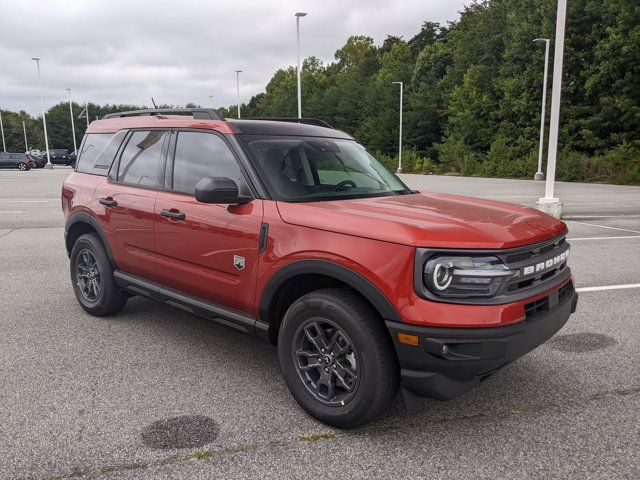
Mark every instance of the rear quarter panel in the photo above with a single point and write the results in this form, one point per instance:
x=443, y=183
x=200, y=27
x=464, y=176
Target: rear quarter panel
x=77, y=193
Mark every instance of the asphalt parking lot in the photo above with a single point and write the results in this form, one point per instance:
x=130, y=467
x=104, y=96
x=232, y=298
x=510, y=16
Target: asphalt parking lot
x=100, y=398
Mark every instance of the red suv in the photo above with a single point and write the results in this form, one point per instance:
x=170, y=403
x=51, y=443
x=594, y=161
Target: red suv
x=292, y=231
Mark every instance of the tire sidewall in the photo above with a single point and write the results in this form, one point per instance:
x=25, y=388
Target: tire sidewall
x=367, y=361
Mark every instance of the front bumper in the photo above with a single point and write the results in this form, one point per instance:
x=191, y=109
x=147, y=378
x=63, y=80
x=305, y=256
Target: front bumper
x=447, y=362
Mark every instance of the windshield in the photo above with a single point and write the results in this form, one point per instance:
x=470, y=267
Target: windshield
x=303, y=169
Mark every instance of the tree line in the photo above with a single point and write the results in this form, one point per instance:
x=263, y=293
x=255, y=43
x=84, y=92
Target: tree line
x=473, y=92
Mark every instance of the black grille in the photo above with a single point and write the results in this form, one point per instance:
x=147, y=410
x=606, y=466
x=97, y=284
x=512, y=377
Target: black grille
x=534, y=255
x=543, y=304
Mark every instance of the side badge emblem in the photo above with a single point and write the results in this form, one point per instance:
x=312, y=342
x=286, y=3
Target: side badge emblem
x=238, y=262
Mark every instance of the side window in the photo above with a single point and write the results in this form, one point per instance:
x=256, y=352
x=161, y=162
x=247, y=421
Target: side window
x=141, y=161
x=200, y=155
x=16, y=156
x=98, y=151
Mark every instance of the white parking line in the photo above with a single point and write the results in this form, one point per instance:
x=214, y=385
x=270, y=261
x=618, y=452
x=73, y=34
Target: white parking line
x=10, y=211
x=23, y=201
x=603, y=226
x=587, y=217
x=602, y=238
x=608, y=287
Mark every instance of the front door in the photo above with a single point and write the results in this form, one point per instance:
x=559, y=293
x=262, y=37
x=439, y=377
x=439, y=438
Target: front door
x=206, y=250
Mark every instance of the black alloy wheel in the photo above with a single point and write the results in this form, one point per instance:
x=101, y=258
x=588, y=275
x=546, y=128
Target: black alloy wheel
x=88, y=275
x=326, y=361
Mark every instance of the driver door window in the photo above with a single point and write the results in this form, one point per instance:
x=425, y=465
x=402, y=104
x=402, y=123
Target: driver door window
x=200, y=155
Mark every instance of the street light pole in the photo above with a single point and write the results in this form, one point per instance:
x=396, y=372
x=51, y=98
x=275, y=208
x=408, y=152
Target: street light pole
x=73, y=127
x=298, y=15
x=549, y=204
x=26, y=144
x=4, y=146
x=400, y=137
x=238, y=89
x=539, y=175
x=44, y=120
x=211, y=98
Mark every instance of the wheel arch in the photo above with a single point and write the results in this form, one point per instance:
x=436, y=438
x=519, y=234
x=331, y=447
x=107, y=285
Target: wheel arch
x=303, y=276
x=80, y=223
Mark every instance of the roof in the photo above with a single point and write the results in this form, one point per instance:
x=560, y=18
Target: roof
x=274, y=127
x=228, y=126
x=112, y=125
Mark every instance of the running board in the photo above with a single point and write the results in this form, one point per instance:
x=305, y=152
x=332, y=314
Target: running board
x=197, y=306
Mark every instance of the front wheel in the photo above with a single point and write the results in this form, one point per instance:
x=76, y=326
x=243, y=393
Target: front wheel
x=336, y=358
x=23, y=166
x=92, y=277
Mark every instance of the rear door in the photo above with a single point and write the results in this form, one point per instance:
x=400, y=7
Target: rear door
x=207, y=250
x=126, y=200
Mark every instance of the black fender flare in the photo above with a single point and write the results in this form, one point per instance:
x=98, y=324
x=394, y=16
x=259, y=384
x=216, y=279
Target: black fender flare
x=84, y=217
x=330, y=269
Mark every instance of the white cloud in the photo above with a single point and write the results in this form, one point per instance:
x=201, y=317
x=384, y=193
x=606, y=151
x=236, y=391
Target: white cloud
x=121, y=51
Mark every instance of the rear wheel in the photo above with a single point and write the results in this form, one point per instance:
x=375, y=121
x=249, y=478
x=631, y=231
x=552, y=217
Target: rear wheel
x=92, y=277
x=23, y=166
x=337, y=360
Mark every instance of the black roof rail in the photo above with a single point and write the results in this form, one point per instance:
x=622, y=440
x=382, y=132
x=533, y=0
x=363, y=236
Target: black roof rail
x=307, y=121
x=196, y=113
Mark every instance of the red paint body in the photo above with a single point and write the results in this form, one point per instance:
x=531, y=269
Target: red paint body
x=375, y=237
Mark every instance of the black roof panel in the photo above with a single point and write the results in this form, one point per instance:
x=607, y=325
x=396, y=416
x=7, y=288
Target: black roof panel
x=271, y=127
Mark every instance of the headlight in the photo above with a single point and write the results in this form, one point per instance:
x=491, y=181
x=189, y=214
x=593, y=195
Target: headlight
x=464, y=276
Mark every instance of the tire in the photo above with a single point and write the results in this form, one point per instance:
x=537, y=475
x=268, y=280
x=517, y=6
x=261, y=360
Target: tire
x=23, y=166
x=89, y=263
x=364, y=357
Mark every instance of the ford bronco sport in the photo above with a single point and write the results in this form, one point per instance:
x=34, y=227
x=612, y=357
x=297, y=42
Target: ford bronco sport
x=292, y=231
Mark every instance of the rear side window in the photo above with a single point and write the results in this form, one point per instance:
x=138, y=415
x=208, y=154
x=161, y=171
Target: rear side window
x=98, y=151
x=141, y=161
x=200, y=155
x=16, y=156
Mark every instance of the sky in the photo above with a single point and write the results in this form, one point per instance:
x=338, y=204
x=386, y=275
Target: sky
x=116, y=51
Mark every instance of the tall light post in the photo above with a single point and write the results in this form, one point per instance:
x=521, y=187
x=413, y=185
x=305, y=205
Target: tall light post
x=539, y=175
x=238, y=89
x=211, y=98
x=549, y=204
x=44, y=120
x=24, y=130
x=400, y=137
x=4, y=147
x=298, y=15
x=73, y=127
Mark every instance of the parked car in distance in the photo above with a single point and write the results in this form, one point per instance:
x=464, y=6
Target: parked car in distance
x=38, y=160
x=20, y=161
x=291, y=231
x=73, y=156
x=58, y=156
x=34, y=152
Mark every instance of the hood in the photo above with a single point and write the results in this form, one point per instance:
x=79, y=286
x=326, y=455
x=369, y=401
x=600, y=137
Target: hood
x=428, y=220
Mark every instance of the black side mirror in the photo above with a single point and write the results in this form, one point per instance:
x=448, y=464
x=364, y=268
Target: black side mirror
x=219, y=190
